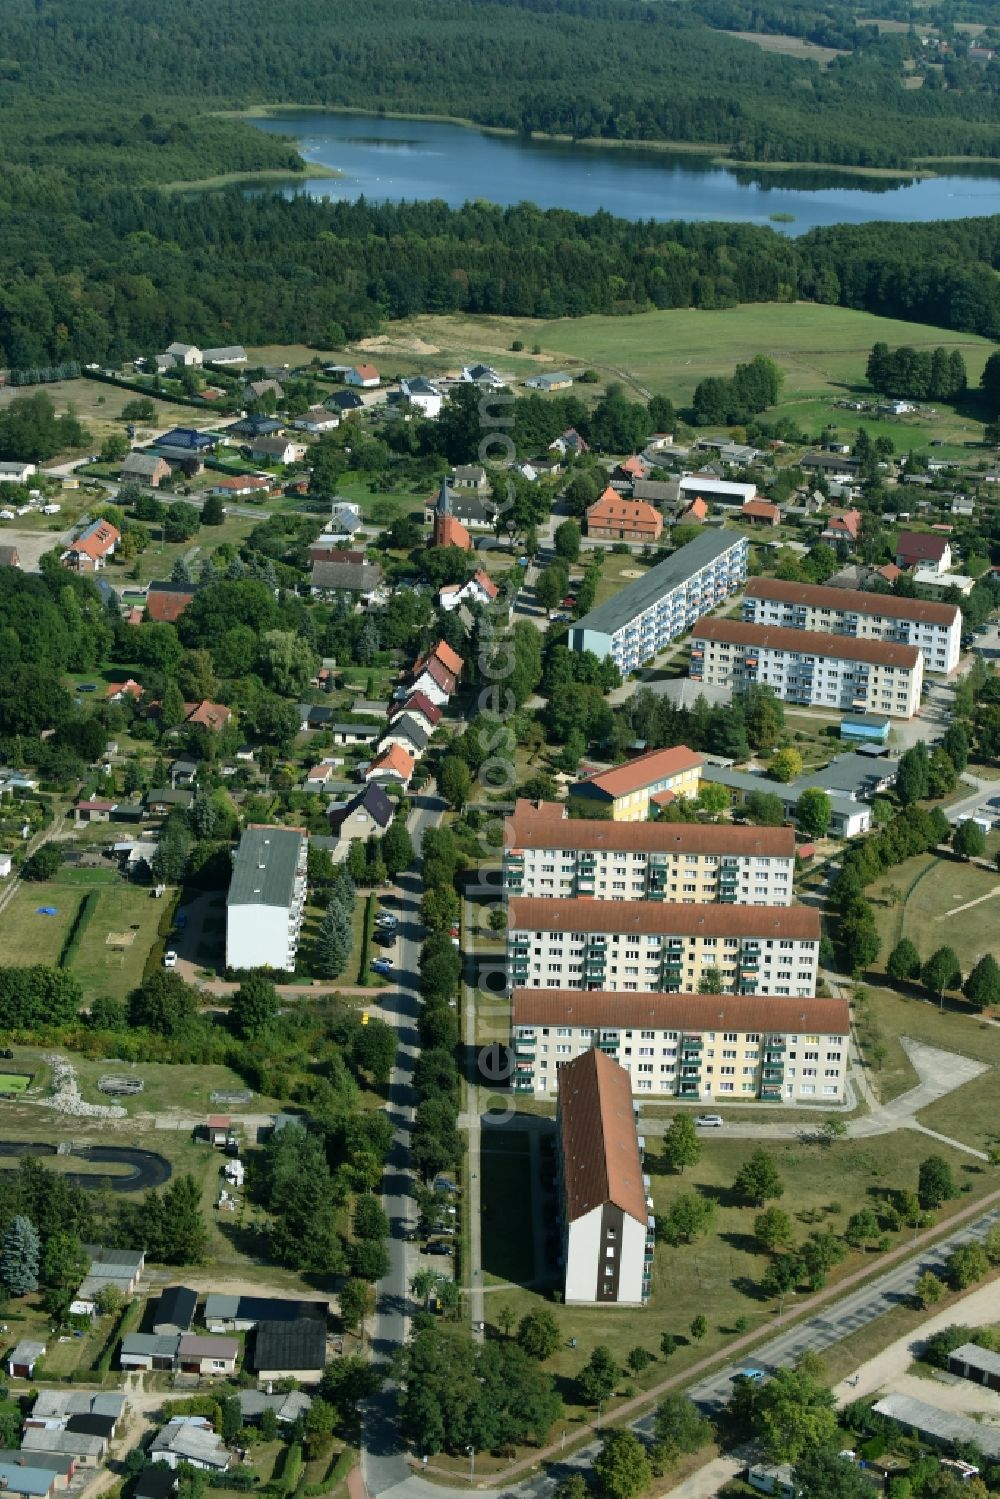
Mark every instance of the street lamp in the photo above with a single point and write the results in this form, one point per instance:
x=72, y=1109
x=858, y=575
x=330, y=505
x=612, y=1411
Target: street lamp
x=472, y=1461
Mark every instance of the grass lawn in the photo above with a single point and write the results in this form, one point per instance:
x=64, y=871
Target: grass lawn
x=158, y=559
x=505, y=1163
x=822, y=352
x=121, y=911
x=99, y=407
x=26, y=937
x=929, y=900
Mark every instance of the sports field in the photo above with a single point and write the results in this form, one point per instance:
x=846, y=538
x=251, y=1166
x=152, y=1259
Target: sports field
x=113, y=945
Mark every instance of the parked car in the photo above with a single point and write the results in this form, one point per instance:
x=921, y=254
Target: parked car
x=709, y=1121
x=382, y=965
x=170, y=958
x=753, y=1375
x=440, y=1248
x=386, y=919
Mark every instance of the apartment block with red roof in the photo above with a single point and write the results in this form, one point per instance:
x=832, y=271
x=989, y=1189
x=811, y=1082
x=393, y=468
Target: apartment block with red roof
x=706, y=1048
x=550, y=854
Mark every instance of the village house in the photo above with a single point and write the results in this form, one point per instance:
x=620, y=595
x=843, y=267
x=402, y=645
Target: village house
x=480, y=589
x=214, y=716
x=434, y=680
x=422, y=394
x=484, y=376
x=213, y=1355
x=364, y=376
x=694, y=513
x=160, y=801
x=241, y=486
x=118, y=691
x=16, y=473
x=344, y=402
x=760, y=513
x=417, y=705
x=366, y=815
x=407, y=732
x=470, y=476
x=289, y=1350
x=316, y=421
x=92, y=548
x=843, y=526
x=362, y=578
x=920, y=549
x=276, y=450
x=188, y=355
x=392, y=764
x=175, y=1310
x=255, y=389
x=148, y=1350
x=191, y=1440
x=93, y=809
x=569, y=444
x=89, y=1449
x=146, y=468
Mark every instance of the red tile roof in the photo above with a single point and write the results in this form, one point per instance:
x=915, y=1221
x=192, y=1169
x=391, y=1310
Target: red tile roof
x=624, y=917
x=682, y=1012
x=645, y=769
x=920, y=546
x=805, y=642
x=538, y=828
x=851, y=600
x=846, y=523
x=449, y=659
x=129, y=688
x=417, y=702
x=599, y=1144
x=211, y=715
x=761, y=510
x=613, y=512
x=393, y=761
x=697, y=508
x=449, y=532
x=486, y=583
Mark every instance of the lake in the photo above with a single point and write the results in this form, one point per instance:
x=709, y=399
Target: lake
x=395, y=160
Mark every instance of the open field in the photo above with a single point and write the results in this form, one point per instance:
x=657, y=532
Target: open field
x=716, y=1276
x=99, y=406
x=789, y=46
x=158, y=559
x=821, y=350
x=936, y=907
x=26, y=937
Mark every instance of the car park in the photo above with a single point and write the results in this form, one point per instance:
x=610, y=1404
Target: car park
x=709, y=1121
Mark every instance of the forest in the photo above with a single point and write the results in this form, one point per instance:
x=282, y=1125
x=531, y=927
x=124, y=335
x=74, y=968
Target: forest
x=123, y=90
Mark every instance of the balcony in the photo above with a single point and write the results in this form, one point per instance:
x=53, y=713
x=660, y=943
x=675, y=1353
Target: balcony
x=773, y=1074
x=772, y=1092
x=523, y=1047
x=692, y=1043
x=689, y=1089
x=774, y=1043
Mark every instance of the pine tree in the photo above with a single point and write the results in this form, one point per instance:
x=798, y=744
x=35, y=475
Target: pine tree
x=982, y=987
x=20, y=1252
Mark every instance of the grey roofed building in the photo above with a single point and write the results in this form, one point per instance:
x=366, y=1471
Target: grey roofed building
x=315, y=716
x=229, y=354
x=981, y=1365
x=184, y=1440
x=287, y=1406
x=58, y=1405
x=22, y=1476
x=411, y=729
x=347, y=577
x=265, y=868
x=76, y=1443
x=249, y=1310
x=373, y=800
x=846, y=814
x=59, y=1463
x=149, y=1345
x=141, y=465
x=855, y=775
x=947, y=1427
x=289, y=1345
x=175, y=1309
x=617, y=611
x=92, y=1426
x=655, y=491
x=344, y=400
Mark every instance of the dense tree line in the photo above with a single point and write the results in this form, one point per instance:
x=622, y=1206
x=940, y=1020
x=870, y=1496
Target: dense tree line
x=917, y=374
x=723, y=401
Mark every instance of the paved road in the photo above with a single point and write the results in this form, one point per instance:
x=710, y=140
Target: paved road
x=383, y=1460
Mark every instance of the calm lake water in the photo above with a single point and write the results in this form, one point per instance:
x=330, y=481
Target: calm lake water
x=393, y=160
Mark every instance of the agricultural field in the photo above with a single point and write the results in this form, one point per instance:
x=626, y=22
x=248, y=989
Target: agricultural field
x=822, y=352
x=99, y=407
x=789, y=46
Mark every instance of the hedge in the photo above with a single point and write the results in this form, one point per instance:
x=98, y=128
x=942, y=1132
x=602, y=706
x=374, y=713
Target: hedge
x=77, y=927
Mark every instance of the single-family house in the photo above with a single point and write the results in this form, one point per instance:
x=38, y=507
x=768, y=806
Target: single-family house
x=344, y=402
x=288, y=1405
x=93, y=809
x=420, y=393
x=569, y=443
x=190, y=1439
x=484, y=376
x=362, y=578
x=392, y=764
x=23, y=1357
x=227, y=354
x=347, y=734
x=166, y=601
x=363, y=376
x=479, y=589
x=255, y=389
x=188, y=355
x=843, y=526
x=218, y=1130
x=314, y=716
x=318, y=775
x=92, y=548
x=289, y=1350
x=214, y=716
x=316, y=421
x=419, y=706
x=408, y=732
x=443, y=652
x=53, y=1408
x=160, y=801
x=146, y=468
x=278, y=450
x=16, y=473
x=366, y=815
x=241, y=486
x=694, y=513
x=435, y=681
x=186, y=440
x=470, y=476
x=120, y=692
x=921, y=549
x=61, y=1465
x=224, y=1313
x=213, y=1354
x=149, y=1350
x=255, y=425
x=183, y=773
x=175, y=1310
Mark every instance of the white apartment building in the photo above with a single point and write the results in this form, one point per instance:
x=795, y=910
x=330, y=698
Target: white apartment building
x=804, y=666
x=633, y=625
x=935, y=629
x=703, y=1047
x=549, y=855
x=640, y=946
x=267, y=896
x=608, y=1230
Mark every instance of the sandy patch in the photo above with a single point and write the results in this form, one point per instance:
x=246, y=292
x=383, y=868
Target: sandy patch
x=632, y=572
x=382, y=343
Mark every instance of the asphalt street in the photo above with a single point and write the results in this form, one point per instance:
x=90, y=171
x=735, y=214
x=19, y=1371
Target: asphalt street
x=383, y=1459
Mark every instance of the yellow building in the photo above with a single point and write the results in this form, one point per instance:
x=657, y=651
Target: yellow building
x=704, y=1047
x=633, y=790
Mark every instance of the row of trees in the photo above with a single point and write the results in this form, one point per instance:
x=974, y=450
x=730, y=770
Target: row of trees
x=436, y=1144
x=917, y=374
x=912, y=831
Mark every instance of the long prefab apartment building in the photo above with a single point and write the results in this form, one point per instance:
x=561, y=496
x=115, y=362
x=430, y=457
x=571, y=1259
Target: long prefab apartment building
x=807, y=667
x=646, y=616
x=608, y=1231
x=267, y=896
x=549, y=855
x=701, y=1047
x=935, y=629
x=645, y=945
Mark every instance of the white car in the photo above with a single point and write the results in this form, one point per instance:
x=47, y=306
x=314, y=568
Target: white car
x=709, y=1121
x=170, y=958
